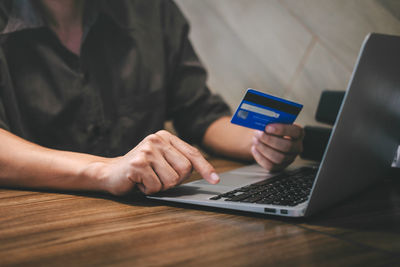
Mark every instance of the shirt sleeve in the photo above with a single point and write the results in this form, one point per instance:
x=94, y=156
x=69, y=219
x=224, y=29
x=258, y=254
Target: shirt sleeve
x=3, y=118
x=3, y=124
x=191, y=105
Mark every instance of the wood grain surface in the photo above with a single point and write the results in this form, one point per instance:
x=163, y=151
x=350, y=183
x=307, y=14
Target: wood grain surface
x=86, y=229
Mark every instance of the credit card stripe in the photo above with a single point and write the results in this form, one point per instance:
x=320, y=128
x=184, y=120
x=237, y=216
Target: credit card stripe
x=272, y=103
x=259, y=110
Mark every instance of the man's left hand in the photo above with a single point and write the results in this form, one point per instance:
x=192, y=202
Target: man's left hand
x=277, y=146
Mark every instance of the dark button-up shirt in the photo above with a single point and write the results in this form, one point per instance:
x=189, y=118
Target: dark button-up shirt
x=136, y=70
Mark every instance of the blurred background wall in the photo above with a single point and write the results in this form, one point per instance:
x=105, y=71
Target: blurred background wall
x=289, y=48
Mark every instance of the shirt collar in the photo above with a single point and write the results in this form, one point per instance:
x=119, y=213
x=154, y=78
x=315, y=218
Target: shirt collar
x=23, y=16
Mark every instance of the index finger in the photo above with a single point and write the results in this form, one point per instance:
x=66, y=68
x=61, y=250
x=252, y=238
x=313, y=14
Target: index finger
x=199, y=163
x=292, y=130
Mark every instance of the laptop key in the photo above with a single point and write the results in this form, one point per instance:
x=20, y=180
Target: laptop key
x=252, y=199
x=238, y=197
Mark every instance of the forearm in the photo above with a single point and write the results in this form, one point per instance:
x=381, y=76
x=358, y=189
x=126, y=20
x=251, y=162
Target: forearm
x=225, y=138
x=24, y=164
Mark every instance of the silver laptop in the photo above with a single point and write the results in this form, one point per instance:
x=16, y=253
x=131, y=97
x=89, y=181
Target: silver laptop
x=360, y=150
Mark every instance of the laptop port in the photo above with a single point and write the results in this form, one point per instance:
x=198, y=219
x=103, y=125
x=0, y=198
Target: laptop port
x=284, y=211
x=269, y=210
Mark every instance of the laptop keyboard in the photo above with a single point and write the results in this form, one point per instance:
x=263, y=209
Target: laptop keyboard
x=285, y=189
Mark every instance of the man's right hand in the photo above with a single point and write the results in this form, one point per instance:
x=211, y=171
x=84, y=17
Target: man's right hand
x=159, y=162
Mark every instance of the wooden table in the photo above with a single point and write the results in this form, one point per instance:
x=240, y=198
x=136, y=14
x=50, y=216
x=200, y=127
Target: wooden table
x=59, y=229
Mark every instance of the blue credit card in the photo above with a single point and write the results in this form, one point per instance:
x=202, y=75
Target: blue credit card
x=258, y=109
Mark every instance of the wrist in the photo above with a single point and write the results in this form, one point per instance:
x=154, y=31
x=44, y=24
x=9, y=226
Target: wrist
x=97, y=176
x=108, y=175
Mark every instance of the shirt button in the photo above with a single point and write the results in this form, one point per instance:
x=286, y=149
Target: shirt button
x=84, y=76
x=93, y=131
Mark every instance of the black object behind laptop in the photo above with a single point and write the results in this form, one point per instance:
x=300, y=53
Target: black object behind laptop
x=316, y=137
